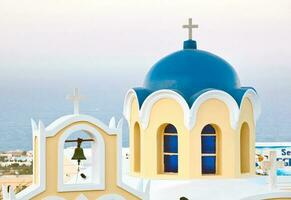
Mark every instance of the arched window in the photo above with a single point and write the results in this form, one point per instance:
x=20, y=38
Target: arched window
x=208, y=150
x=170, y=149
x=81, y=165
x=136, y=153
x=245, y=148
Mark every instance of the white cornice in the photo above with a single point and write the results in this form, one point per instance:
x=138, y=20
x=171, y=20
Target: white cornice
x=190, y=114
x=67, y=120
x=214, y=94
x=255, y=100
x=149, y=102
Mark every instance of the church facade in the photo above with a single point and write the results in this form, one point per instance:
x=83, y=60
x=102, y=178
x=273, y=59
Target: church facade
x=192, y=119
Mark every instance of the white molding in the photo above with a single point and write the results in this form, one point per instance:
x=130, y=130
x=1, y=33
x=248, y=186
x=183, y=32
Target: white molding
x=129, y=97
x=35, y=189
x=98, y=168
x=149, y=102
x=233, y=108
x=33, y=126
x=256, y=103
x=8, y=192
x=4, y=192
x=270, y=195
x=273, y=144
x=112, y=123
x=111, y=197
x=53, y=198
x=190, y=114
x=120, y=183
x=67, y=120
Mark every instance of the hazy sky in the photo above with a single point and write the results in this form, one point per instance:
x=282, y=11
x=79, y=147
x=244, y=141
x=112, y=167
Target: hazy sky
x=112, y=44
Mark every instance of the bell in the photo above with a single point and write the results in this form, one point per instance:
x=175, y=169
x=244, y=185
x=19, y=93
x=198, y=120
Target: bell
x=79, y=152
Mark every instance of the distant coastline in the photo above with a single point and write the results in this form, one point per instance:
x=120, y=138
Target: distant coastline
x=15, y=126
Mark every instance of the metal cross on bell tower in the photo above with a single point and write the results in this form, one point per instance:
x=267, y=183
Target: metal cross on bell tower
x=76, y=98
x=190, y=26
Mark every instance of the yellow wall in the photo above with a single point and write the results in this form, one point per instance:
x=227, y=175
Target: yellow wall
x=35, y=160
x=111, y=169
x=247, y=115
x=212, y=111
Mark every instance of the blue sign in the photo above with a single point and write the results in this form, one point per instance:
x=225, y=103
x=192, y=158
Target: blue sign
x=283, y=153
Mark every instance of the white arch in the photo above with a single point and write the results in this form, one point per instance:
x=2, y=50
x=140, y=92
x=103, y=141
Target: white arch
x=98, y=160
x=129, y=97
x=111, y=197
x=270, y=195
x=65, y=121
x=53, y=198
x=190, y=115
x=214, y=94
x=255, y=101
x=149, y=102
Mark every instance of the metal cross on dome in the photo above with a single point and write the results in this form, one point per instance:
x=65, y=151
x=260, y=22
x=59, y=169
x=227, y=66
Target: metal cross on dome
x=76, y=98
x=190, y=26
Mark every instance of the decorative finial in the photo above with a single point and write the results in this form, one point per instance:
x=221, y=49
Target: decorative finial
x=190, y=26
x=76, y=98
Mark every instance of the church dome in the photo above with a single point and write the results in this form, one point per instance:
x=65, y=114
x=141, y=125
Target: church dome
x=190, y=70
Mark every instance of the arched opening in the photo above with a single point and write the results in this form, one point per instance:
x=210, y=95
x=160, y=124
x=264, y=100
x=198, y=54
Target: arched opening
x=245, y=148
x=81, y=164
x=74, y=171
x=137, y=143
x=209, y=150
x=168, y=145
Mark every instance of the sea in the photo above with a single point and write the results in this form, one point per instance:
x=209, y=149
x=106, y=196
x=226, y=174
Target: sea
x=45, y=100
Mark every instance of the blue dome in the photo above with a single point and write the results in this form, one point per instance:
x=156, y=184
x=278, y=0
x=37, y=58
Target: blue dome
x=190, y=71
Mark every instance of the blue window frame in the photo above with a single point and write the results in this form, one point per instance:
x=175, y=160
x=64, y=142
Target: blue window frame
x=170, y=149
x=171, y=163
x=208, y=149
x=209, y=164
x=208, y=144
x=208, y=129
x=170, y=143
x=170, y=129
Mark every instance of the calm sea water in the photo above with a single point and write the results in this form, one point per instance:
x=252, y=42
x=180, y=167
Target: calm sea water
x=19, y=104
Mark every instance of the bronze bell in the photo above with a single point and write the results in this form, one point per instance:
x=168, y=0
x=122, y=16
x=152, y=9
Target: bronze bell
x=79, y=152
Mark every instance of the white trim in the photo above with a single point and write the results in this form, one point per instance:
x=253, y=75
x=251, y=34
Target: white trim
x=120, y=183
x=255, y=100
x=98, y=147
x=271, y=195
x=215, y=94
x=190, y=115
x=67, y=120
x=36, y=189
x=112, y=123
x=272, y=144
x=129, y=97
x=111, y=197
x=149, y=102
x=53, y=198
